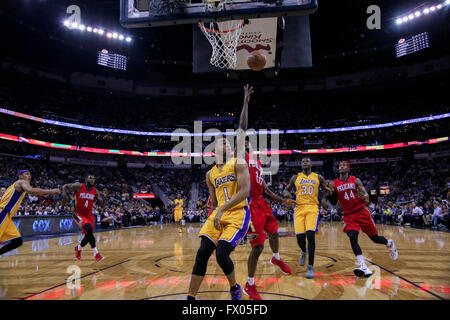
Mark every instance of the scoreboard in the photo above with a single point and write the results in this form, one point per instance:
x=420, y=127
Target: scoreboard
x=412, y=44
x=111, y=59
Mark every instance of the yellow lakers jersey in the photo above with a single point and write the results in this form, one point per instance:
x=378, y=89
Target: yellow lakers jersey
x=225, y=183
x=10, y=202
x=178, y=204
x=307, y=189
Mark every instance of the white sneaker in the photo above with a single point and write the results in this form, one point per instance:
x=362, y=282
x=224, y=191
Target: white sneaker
x=393, y=253
x=362, y=271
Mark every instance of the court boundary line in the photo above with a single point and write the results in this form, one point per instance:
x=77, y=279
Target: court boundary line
x=410, y=282
x=86, y=275
x=219, y=291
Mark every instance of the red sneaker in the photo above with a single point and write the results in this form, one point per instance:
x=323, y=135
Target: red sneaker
x=98, y=257
x=251, y=292
x=77, y=253
x=280, y=263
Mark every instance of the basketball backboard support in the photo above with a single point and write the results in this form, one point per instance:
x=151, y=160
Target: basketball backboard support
x=154, y=13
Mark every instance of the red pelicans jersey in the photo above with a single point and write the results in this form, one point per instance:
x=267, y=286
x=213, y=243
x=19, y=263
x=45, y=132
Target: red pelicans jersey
x=347, y=195
x=256, y=177
x=84, y=200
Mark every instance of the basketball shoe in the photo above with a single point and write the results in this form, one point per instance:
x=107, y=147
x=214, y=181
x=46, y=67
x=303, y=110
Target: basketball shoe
x=98, y=257
x=362, y=271
x=280, y=263
x=237, y=293
x=393, y=253
x=77, y=253
x=251, y=292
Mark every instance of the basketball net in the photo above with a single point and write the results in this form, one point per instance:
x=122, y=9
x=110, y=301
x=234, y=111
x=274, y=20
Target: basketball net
x=223, y=37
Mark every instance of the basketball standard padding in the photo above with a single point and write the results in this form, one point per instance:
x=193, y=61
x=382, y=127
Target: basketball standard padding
x=256, y=61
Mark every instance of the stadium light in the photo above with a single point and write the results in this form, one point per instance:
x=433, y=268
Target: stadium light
x=99, y=31
x=418, y=13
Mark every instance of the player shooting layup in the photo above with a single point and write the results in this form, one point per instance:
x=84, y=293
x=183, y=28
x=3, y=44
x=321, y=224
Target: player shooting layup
x=229, y=187
x=263, y=220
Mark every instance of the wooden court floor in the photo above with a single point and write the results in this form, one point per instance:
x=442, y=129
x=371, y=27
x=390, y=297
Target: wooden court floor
x=155, y=263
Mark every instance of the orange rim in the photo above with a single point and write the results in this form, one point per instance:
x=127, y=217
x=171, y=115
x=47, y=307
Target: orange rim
x=201, y=26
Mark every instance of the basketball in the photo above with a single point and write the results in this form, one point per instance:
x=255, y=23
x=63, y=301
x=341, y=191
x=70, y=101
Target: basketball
x=256, y=61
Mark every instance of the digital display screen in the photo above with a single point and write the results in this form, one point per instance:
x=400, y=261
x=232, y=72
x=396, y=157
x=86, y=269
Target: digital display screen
x=32, y=225
x=385, y=190
x=111, y=59
x=412, y=44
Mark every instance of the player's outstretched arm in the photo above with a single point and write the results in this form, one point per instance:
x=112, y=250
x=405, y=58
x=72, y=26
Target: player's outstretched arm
x=243, y=181
x=243, y=120
x=362, y=193
x=269, y=194
x=287, y=191
x=70, y=187
x=25, y=186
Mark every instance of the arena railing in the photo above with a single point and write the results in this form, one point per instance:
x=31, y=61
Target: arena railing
x=178, y=134
x=210, y=154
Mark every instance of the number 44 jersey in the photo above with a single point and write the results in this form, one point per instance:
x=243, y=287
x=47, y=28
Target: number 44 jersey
x=347, y=195
x=84, y=200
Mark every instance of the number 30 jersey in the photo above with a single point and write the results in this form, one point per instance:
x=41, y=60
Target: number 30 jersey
x=225, y=184
x=307, y=189
x=347, y=195
x=84, y=200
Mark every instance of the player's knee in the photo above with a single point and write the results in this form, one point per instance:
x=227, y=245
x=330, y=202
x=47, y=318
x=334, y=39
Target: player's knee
x=257, y=250
x=88, y=228
x=311, y=236
x=301, y=238
x=353, y=235
x=17, y=242
x=273, y=235
x=203, y=254
x=224, y=261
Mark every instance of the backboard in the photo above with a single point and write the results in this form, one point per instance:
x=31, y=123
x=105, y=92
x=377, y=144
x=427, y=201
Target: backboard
x=154, y=13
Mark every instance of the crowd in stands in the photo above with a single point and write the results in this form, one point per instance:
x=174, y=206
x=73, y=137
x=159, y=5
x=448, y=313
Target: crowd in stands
x=121, y=208
x=418, y=191
x=54, y=100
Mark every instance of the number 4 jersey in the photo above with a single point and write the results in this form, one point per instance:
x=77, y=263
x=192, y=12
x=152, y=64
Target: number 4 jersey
x=347, y=195
x=307, y=189
x=84, y=201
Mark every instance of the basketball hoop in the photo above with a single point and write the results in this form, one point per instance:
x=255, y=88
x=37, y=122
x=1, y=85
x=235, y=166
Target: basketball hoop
x=223, y=37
